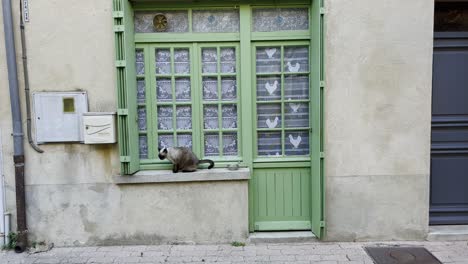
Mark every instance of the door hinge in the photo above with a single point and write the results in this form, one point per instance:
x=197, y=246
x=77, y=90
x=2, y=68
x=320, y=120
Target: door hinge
x=322, y=223
x=119, y=28
x=322, y=11
x=124, y=158
x=322, y=155
x=120, y=63
x=122, y=112
x=322, y=84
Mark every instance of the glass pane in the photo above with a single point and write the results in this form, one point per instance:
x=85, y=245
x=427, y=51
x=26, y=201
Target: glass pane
x=211, y=144
x=229, y=116
x=165, y=141
x=228, y=60
x=140, y=62
x=228, y=88
x=296, y=115
x=277, y=19
x=141, y=91
x=296, y=59
x=181, y=61
x=230, y=144
x=210, y=117
x=143, y=142
x=451, y=17
x=184, y=117
x=163, y=89
x=296, y=87
x=184, y=140
x=269, y=143
x=268, y=88
x=269, y=116
x=268, y=59
x=176, y=21
x=163, y=61
x=296, y=143
x=209, y=60
x=142, y=119
x=210, y=88
x=215, y=21
x=165, y=117
x=182, y=89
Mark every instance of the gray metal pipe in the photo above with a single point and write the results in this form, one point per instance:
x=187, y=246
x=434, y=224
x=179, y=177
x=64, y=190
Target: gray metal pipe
x=18, y=136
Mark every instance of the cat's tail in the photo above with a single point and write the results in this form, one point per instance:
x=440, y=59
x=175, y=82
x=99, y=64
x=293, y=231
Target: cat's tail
x=207, y=161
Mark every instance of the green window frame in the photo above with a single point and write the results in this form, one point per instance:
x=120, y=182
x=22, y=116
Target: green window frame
x=126, y=41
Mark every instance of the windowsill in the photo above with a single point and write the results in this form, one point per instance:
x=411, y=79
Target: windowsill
x=167, y=176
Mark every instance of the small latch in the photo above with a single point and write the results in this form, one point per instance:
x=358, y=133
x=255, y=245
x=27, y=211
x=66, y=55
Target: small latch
x=322, y=155
x=120, y=63
x=322, y=11
x=322, y=223
x=322, y=84
x=119, y=28
x=118, y=14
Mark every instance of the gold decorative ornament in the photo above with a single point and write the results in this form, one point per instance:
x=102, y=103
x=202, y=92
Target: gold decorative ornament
x=160, y=22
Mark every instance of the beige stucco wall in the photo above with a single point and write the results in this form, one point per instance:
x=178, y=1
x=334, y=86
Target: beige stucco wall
x=378, y=97
x=71, y=199
x=378, y=116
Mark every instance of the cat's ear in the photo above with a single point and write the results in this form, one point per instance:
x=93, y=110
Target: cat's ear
x=165, y=150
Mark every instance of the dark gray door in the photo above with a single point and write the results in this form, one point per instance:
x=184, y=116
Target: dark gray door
x=449, y=149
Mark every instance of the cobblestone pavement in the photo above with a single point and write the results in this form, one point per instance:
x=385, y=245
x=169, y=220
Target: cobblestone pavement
x=317, y=252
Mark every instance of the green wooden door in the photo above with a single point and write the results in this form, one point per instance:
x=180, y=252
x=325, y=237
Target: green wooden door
x=282, y=164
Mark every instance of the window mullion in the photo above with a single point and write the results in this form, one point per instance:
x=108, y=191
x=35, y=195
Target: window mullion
x=197, y=105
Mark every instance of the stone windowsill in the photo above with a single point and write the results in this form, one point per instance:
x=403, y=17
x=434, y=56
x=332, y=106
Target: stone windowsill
x=167, y=176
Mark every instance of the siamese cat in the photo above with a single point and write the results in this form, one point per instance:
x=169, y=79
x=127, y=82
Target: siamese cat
x=183, y=159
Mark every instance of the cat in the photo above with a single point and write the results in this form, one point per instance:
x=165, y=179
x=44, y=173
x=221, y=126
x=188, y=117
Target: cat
x=183, y=159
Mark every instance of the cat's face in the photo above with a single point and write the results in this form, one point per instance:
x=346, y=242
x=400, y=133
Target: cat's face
x=162, y=153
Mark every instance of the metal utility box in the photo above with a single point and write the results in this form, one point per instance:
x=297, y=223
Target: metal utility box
x=99, y=128
x=58, y=116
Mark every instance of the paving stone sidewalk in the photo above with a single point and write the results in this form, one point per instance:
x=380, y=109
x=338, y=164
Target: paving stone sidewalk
x=317, y=252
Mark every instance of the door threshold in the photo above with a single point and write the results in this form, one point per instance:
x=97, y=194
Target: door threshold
x=282, y=237
x=448, y=233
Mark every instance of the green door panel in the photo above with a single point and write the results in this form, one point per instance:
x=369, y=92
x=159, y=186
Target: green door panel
x=282, y=199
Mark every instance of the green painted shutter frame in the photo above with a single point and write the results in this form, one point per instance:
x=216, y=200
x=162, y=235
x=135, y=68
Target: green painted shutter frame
x=318, y=85
x=126, y=87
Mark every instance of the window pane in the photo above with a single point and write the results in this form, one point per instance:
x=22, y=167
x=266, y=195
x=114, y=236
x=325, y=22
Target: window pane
x=209, y=60
x=269, y=116
x=181, y=61
x=215, y=20
x=277, y=19
x=228, y=60
x=182, y=89
x=228, y=88
x=296, y=59
x=184, y=140
x=165, y=141
x=230, y=144
x=142, y=119
x=451, y=17
x=296, y=143
x=140, y=62
x=269, y=143
x=296, y=87
x=165, y=117
x=143, y=142
x=229, y=116
x=163, y=61
x=163, y=89
x=184, y=117
x=141, y=96
x=176, y=21
x=210, y=117
x=296, y=115
x=211, y=144
x=210, y=88
x=269, y=88
x=268, y=59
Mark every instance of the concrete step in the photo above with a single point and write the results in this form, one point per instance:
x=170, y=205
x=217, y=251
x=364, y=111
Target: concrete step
x=282, y=237
x=448, y=233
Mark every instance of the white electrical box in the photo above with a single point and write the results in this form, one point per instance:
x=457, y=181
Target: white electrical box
x=58, y=116
x=99, y=128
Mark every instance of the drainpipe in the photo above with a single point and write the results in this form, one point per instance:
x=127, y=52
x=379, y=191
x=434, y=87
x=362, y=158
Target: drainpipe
x=18, y=146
